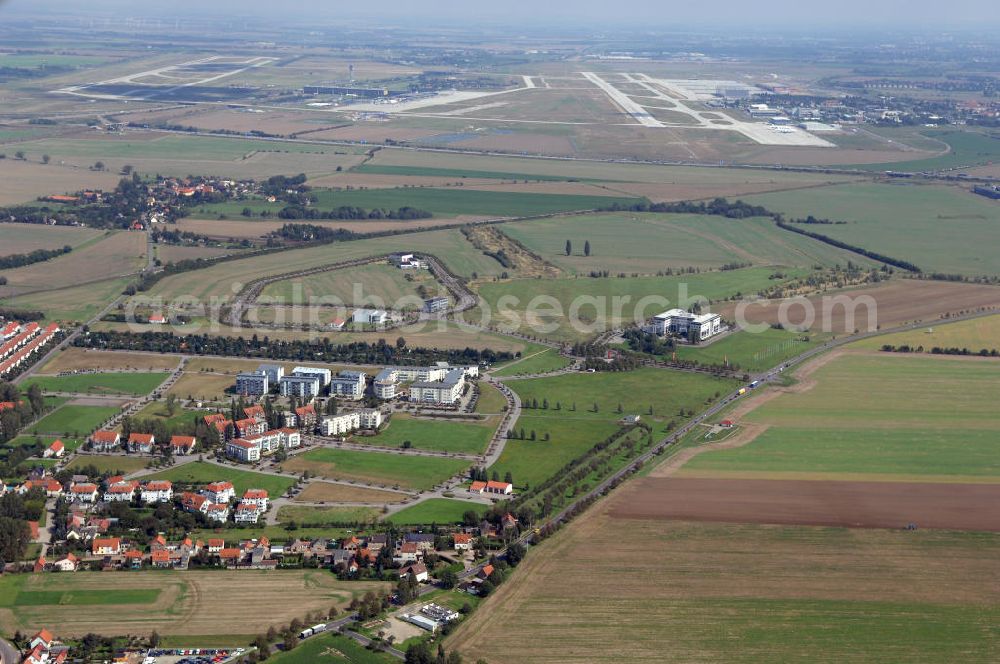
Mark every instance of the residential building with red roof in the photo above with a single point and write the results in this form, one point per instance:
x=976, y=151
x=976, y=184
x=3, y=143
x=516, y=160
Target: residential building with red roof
x=107, y=546
x=157, y=491
x=463, y=541
x=105, y=441
x=192, y=502
x=121, y=492
x=220, y=492
x=249, y=427
x=256, y=497
x=141, y=443
x=218, y=512
x=182, y=445
x=477, y=487
x=55, y=450
x=504, y=488
x=254, y=413
x=83, y=492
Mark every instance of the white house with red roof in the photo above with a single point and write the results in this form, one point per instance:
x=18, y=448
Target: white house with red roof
x=247, y=513
x=182, y=445
x=157, y=491
x=107, y=546
x=55, y=450
x=504, y=488
x=256, y=497
x=83, y=492
x=218, y=512
x=105, y=441
x=67, y=563
x=192, y=502
x=121, y=492
x=243, y=450
x=141, y=443
x=220, y=492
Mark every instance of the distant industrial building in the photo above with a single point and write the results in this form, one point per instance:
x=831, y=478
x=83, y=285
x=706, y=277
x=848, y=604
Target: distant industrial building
x=370, y=316
x=988, y=191
x=434, y=305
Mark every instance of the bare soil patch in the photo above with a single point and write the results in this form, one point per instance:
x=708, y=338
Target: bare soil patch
x=342, y=493
x=76, y=359
x=895, y=302
x=814, y=502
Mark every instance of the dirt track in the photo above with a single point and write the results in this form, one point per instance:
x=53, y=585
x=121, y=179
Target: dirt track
x=816, y=503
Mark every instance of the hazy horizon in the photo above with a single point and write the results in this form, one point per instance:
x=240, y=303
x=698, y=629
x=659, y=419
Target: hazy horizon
x=650, y=14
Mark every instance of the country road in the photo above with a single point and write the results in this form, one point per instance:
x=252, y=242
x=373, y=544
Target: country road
x=8, y=653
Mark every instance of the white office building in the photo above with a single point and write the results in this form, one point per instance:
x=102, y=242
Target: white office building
x=446, y=391
x=697, y=327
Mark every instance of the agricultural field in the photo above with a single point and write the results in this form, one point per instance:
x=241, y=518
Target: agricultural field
x=321, y=516
x=573, y=432
x=964, y=149
x=595, y=304
x=331, y=492
x=72, y=304
x=647, y=243
x=25, y=238
x=25, y=181
x=178, y=155
x=438, y=511
x=364, y=285
x=939, y=228
x=134, y=384
x=444, y=202
x=172, y=603
x=975, y=334
x=874, y=416
x=111, y=255
x=429, y=434
x=71, y=418
x=741, y=593
x=398, y=470
x=199, y=473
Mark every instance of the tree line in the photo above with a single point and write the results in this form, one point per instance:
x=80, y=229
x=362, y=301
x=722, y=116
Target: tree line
x=357, y=352
x=37, y=256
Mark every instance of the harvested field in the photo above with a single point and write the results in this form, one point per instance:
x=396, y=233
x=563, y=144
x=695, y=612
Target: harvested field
x=25, y=238
x=23, y=181
x=973, y=334
x=373, y=133
x=200, y=603
x=171, y=253
x=79, y=303
x=814, y=502
x=712, y=592
x=896, y=302
x=668, y=192
x=116, y=254
x=362, y=179
x=241, y=228
x=330, y=492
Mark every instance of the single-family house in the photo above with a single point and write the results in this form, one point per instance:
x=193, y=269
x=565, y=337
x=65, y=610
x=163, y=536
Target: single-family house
x=55, y=450
x=141, y=443
x=157, y=491
x=107, y=546
x=215, y=545
x=83, y=492
x=67, y=563
x=182, y=445
x=417, y=570
x=160, y=558
x=192, y=502
x=463, y=541
x=121, y=492
x=503, y=488
x=105, y=441
x=409, y=552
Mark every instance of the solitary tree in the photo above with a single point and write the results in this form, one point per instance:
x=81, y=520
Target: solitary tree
x=586, y=248
x=569, y=248
x=46, y=158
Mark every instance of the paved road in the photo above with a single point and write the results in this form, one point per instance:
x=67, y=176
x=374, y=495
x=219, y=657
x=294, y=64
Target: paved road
x=8, y=653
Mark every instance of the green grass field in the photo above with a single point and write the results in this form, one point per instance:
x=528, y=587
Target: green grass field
x=902, y=417
x=72, y=444
x=648, y=243
x=585, y=306
x=157, y=410
x=490, y=399
x=444, y=202
x=968, y=148
x=412, y=472
x=427, y=434
x=110, y=464
x=421, y=171
x=751, y=351
x=940, y=228
x=541, y=362
x=394, y=288
x=72, y=419
x=80, y=303
x=572, y=433
x=199, y=473
x=331, y=649
x=101, y=383
x=435, y=511
x=12, y=594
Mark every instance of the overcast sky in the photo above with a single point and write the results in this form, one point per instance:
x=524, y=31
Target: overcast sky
x=651, y=13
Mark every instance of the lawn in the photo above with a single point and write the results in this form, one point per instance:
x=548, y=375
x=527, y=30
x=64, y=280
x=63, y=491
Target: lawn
x=86, y=598
x=435, y=511
x=182, y=419
x=73, y=419
x=72, y=444
x=331, y=649
x=876, y=417
x=490, y=399
x=570, y=309
x=408, y=471
x=646, y=243
x=129, y=383
x=572, y=433
x=199, y=473
x=541, y=362
x=752, y=351
x=115, y=464
x=940, y=228
x=429, y=434
x=444, y=202
x=375, y=284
